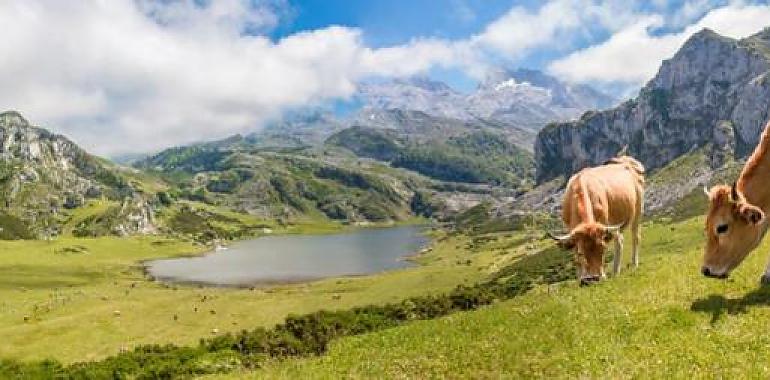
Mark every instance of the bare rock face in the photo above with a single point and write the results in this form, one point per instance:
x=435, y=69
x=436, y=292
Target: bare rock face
x=43, y=174
x=714, y=92
x=135, y=216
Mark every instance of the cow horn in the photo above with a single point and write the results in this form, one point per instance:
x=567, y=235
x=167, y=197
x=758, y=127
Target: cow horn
x=563, y=237
x=734, y=192
x=706, y=191
x=614, y=228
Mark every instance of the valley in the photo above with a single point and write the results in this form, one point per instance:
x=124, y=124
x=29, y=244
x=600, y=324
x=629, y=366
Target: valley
x=94, y=291
x=405, y=237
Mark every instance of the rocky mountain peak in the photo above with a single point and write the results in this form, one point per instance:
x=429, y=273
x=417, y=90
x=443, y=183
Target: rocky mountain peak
x=21, y=141
x=42, y=174
x=522, y=99
x=713, y=86
x=425, y=83
x=12, y=119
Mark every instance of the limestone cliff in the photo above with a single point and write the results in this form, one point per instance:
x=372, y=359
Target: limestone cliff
x=713, y=93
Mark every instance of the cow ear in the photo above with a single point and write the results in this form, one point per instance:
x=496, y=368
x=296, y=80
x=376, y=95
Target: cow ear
x=734, y=197
x=750, y=213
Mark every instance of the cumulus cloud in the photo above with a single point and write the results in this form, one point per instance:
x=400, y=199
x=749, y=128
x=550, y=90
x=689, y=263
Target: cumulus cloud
x=125, y=76
x=121, y=76
x=633, y=54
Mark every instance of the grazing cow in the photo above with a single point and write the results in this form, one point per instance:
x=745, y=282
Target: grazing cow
x=599, y=203
x=736, y=223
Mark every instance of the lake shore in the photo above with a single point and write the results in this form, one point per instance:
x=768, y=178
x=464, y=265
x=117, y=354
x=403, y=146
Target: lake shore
x=55, y=295
x=384, y=248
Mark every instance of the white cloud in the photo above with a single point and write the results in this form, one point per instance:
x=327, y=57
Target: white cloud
x=520, y=29
x=633, y=54
x=136, y=75
x=117, y=80
x=124, y=76
x=554, y=25
x=690, y=11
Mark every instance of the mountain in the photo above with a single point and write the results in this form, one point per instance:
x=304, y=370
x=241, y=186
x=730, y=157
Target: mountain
x=415, y=94
x=521, y=98
x=714, y=94
x=45, y=180
x=288, y=184
x=478, y=156
x=302, y=128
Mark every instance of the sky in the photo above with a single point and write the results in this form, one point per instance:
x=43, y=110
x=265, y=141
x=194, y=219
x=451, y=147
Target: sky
x=126, y=76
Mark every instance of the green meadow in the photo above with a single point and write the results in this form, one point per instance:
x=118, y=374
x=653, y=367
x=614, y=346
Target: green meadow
x=663, y=320
x=74, y=299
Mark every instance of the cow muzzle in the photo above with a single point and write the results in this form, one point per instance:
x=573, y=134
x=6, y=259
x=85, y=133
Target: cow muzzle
x=708, y=273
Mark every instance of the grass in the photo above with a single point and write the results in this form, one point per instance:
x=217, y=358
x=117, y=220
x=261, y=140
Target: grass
x=91, y=208
x=82, y=299
x=663, y=320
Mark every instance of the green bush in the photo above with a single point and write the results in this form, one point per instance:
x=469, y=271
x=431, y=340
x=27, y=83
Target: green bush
x=12, y=228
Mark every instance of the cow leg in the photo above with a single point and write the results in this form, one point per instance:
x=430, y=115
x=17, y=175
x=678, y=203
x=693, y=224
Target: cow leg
x=636, y=231
x=618, y=253
x=635, y=240
x=765, y=280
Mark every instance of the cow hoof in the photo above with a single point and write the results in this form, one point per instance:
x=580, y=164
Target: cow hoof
x=764, y=280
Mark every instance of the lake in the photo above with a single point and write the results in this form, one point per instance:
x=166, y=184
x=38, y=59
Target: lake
x=295, y=258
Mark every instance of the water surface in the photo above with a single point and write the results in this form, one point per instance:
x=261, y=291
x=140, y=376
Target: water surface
x=295, y=258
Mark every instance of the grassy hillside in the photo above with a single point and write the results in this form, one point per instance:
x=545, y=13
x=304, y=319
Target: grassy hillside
x=77, y=300
x=472, y=157
x=663, y=320
x=287, y=185
x=82, y=299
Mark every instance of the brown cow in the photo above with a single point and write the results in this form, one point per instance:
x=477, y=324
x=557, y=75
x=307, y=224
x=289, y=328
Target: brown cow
x=736, y=223
x=598, y=204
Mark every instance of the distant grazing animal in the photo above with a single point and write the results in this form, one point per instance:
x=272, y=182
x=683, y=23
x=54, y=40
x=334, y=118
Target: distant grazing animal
x=736, y=223
x=599, y=203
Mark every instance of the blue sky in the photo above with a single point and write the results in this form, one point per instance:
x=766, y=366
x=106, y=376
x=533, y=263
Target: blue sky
x=396, y=22
x=141, y=75
x=388, y=23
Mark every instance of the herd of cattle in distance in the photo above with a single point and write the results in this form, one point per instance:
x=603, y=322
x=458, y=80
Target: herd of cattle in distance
x=601, y=202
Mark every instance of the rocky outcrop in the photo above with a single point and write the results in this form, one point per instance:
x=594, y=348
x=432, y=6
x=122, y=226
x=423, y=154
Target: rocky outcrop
x=45, y=175
x=714, y=93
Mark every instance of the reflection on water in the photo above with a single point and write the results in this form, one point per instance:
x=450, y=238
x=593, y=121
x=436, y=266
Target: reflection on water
x=291, y=258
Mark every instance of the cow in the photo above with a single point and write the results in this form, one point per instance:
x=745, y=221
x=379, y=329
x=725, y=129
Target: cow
x=599, y=203
x=735, y=222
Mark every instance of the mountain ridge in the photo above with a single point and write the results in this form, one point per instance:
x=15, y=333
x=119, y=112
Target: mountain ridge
x=714, y=92
x=523, y=98
x=46, y=177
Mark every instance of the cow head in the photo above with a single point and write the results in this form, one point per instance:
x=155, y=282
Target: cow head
x=734, y=227
x=589, y=241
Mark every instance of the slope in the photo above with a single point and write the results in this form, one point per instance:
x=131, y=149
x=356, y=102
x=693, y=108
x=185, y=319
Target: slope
x=287, y=184
x=663, y=320
x=46, y=179
x=475, y=156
